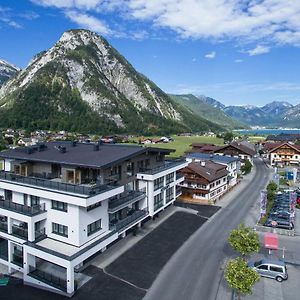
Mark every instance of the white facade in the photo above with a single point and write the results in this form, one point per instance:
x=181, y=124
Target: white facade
x=66, y=228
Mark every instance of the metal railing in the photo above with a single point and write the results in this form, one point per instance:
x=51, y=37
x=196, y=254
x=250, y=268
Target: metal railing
x=40, y=234
x=168, y=164
x=48, y=278
x=54, y=185
x=20, y=232
x=22, y=209
x=118, y=225
x=128, y=198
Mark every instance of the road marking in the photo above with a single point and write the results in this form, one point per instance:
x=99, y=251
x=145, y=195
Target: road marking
x=121, y=279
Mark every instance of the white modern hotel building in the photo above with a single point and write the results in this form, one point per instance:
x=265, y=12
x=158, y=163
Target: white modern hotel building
x=63, y=202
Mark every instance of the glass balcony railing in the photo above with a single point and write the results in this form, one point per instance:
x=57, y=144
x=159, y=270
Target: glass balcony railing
x=17, y=258
x=48, y=278
x=179, y=176
x=119, y=225
x=54, y=185
x=128, y=198
x=20, y=232
x=22, y=209
x=168, y=164
x=3, y=226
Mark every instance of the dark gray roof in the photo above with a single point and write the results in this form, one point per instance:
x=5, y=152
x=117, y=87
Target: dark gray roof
x=213, y=157
x=81, y=154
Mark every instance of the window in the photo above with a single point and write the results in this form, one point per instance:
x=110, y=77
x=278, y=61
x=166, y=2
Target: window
x=34, y=200
x=224, y=179
x=130, y=168
x=60, y=229
x=276, y=269
x=158, y=183
x=169, y=194
x=58, y=205
x=93, y=206
x=8, y=195
x=170, y=178
x=94, y=227
x=158, y=201
x=263, y=267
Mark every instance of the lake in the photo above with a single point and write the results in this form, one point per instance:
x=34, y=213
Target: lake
x=267, y=131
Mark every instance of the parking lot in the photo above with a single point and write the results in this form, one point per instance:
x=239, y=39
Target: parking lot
x=132, y=273
x=267, y=288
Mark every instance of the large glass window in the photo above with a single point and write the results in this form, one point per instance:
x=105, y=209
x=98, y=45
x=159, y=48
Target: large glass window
x=58, y=205
x=34, y=200
x=130, y=168
x=8, y=195
x=158, y=183
x=93, y=206
x=60, y=229
x=170, y=178
x=158, y=201
x=94, y=227
x=170, y=194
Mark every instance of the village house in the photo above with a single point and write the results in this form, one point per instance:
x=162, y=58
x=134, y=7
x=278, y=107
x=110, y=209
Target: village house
x=204, y=182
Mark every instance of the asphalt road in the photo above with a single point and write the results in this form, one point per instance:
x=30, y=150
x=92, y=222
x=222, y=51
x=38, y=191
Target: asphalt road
x=194, y=272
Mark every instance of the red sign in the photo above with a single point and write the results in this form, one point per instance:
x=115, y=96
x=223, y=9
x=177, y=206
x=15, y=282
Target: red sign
x=271, y=241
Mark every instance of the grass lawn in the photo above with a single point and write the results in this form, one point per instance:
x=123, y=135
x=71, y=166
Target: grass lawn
x=254, y=138
x=182, y=143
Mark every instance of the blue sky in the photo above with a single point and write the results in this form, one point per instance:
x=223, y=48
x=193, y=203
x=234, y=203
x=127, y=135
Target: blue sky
x=237, y=51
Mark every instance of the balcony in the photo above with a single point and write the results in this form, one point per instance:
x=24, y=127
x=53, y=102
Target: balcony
x=119, y=203
x=20, y=232
x=22, y=209
x=168, y=164
x=120, y=225
x=3, y=249
x=48, y=278
x=158, y=205
x=90, y=191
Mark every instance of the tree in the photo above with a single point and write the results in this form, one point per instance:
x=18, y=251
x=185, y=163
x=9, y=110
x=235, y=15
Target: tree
x=244, y=240
x=240, y=277
x=246, y=168
x=228, y=137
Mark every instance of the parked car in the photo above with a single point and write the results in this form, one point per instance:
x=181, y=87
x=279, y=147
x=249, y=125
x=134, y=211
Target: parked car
x=270, y=268
x=279, y=223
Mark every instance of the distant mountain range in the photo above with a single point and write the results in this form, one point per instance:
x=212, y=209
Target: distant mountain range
x=209, y=109
x=83, y=84
x=276, y=113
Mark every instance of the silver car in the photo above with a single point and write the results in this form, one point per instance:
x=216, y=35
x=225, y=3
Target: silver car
x=270, y=268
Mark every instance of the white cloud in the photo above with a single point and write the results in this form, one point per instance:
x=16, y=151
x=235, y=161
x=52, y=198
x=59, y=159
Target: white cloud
x=272, y=21
x=211, y=55
x=5, y=17
x=258, y=50
x=238, y=61
x=88, y=22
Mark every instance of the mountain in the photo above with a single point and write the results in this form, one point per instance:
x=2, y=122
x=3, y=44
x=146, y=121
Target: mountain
x=250, y=115
x=204, y=109
x=212, y=102
x=83, y=84
x=277, y=108
x=7, y=70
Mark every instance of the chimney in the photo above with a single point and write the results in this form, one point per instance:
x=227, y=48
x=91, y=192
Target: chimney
x=202, y=163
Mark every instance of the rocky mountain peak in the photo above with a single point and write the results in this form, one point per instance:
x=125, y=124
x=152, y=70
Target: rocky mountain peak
x=84, y=65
